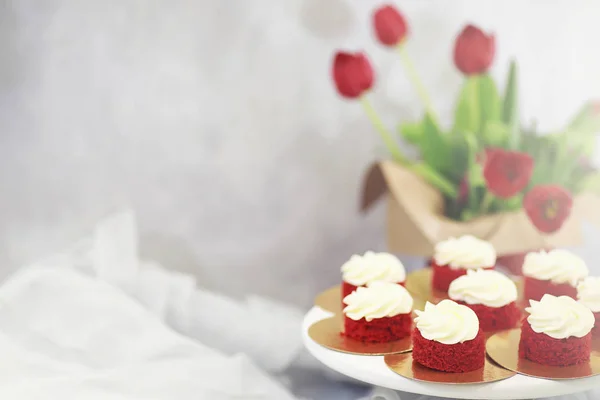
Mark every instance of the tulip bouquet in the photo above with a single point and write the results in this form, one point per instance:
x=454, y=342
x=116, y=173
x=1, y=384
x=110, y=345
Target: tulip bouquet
x=486, y=162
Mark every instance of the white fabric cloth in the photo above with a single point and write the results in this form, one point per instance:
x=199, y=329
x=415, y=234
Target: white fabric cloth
x=66, y=336
x=267, y=331
x=83, y=325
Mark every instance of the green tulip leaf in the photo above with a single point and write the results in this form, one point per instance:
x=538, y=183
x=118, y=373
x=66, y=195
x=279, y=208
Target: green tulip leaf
x=510, y=107
x=512, y=204
x=579, y=142
x=474, y=173
x=467, y=214
x=435, y=179
x=558, y=156
x=490, y=103
x=412, y=132
x=467, y=116
x=444, y=152
x=496, y=134
x=546, y=164
x=434, y=146
x=580, y=135
x=587, y=120
x=458, y=157
x=478, y=104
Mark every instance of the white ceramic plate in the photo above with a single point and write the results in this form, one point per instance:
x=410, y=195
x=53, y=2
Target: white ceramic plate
x=372, y=370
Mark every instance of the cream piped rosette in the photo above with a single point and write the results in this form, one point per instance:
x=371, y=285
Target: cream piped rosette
x=588, y=293
x=371, y=267
x=378, y=300
x=487, y=287
x=447, y=322
x=560, y=317
x=466, y=252
x=558, y=266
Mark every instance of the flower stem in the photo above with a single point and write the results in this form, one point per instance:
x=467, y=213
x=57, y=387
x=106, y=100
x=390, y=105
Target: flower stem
x=488, y=198
x=386, y=136
x=413, y=75
x=421, y=169
x=435, y=179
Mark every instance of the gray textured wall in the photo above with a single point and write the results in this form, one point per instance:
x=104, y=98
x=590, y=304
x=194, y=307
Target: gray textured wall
x=217, y=122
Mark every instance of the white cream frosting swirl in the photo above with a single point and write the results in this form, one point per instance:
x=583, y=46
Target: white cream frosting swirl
x=447, y=322
x=465, y=252
x=588, y=293
x=487, y=287
x=361, y=270
x=557, y=266
x=560, y=317
x=378, y=300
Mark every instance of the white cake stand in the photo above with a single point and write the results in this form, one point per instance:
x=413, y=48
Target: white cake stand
x=372, y=370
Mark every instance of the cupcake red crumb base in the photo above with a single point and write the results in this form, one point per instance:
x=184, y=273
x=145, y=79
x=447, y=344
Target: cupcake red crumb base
x=496, y=319
x=535, y=289
x=596, y=328
x=542, y=349
x=460, y=357
x=379, y=330
x=443, y=275
x=348, y=288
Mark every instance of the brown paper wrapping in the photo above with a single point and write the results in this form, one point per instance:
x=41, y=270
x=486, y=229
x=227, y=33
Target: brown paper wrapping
x=415, y=220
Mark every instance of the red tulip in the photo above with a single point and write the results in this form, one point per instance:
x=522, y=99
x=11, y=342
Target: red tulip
x=390, y=25
x=474, y=51
x=352, y=73
x=507, y=172
x=548, y=206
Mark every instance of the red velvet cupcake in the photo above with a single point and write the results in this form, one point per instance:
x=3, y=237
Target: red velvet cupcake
x=372, y=267
x=556, y=272
x=380, y=312
x=557, y=332
x=455, y=256
x=588, y=294
x=492, y=295
x=447, y=338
